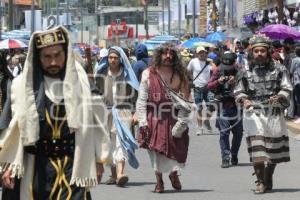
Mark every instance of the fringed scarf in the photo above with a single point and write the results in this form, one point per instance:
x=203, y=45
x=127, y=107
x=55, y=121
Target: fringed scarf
x=92, y=141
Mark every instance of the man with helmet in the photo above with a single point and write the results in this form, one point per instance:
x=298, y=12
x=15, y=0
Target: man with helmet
x=264, y=91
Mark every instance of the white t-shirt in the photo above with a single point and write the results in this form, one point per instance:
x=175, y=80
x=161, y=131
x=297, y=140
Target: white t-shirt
x=196, y=66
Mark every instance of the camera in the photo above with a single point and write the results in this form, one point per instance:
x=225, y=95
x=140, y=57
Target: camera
x=226, y=78
x=227, y=87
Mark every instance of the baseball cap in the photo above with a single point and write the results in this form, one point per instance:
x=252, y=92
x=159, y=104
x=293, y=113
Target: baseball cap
x=200, y=48
x=103, y=53
x=228, y=58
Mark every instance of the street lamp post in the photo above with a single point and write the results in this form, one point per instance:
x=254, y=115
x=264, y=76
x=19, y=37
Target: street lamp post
x=194, y=18
x=81, y=18
x=179, y=18
x=169, y=17
x=1, y=14
x=137, y=24
x=57, y=13
x=163, y=16
x=10, y=15
x=32, y=17
x=146, y=20
x=67, y=10
x=48, y=7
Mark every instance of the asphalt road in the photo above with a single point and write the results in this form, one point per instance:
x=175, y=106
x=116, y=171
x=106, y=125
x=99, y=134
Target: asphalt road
x=203, y=178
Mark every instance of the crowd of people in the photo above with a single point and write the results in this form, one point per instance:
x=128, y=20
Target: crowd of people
x=60, y=126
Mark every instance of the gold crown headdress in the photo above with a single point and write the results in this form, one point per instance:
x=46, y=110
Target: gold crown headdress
x=49, y=38
x=260, y=40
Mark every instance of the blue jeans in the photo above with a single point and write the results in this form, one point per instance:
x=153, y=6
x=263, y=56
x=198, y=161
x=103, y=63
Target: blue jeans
x=229, y=120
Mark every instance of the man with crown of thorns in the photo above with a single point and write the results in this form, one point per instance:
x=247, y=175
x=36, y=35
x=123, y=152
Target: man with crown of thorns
x=264, y=91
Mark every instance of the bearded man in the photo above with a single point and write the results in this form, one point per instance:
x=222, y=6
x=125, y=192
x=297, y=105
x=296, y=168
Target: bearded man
x=264, y=90
x=55, y=136
x=162, y=111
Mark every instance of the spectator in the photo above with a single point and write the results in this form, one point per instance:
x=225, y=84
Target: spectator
x=143, y=60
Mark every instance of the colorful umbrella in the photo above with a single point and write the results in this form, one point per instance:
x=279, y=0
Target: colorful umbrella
x=191, y=42
x=12, y=44
x=280, y=32
x=216, y=37
x=165, y=38
x=204, y=44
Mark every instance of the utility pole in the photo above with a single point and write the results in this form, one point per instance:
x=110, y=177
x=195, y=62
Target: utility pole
x=57, y=13
x=179, y=18
x=280, y=11
x=137, y=24
x=169, y=17
x=81, y=18
x=222, y=6
x=10, y=15
x=32, y=17
x=232, y=16
x=1, y=14
x=68, y=14
x=48, y=7
x=146, y=19
x=163, y=16
x=194, y=18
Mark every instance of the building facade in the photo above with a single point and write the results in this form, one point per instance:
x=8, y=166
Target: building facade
x=257, y=13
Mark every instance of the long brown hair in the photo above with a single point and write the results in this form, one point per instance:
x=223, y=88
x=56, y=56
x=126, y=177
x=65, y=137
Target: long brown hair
x=178, y=66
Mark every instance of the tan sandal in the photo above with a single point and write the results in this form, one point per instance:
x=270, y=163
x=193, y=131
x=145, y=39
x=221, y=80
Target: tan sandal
x=175, y=180
x=159, y=188
x=121, y=181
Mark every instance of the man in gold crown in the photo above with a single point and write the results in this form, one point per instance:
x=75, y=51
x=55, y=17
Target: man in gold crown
x=264, y=91
x=54, y=141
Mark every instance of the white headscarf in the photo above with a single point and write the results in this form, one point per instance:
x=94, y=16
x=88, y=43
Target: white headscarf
x=92, y=142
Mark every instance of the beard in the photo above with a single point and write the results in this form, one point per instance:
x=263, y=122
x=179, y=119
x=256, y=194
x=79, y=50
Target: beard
x=60, y=74
x=167, y=62
x=261, y=61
